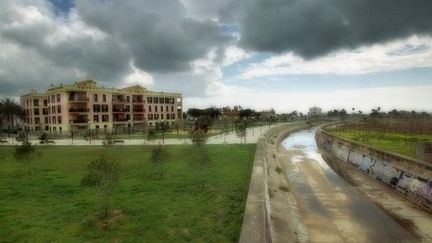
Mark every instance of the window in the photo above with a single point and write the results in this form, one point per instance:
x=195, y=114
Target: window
x=166, y=100
x=162, y=116
x=37, y=120
x=54, y=120
x=95, y=97
x=45, y=102
x=172, y=108
x=105, y=118
x=46, y=119
x=104, y=108
x=172, y=116
x=155, y=100
x=52, y=99
x=166, y=108
x=35, y=102
x=48, y=100
x=156, y=116
x=53, y=109
x=149, y=100
x=59, y=109
x=161, y=108
x=45, y=111
x=150, y=117
x=58, y=97
x=128, y=99
x=97, y=108
x=150, y=108
x=155, y=108
x=36, y=111
x=96, y=118
x=161, y=100
x=59, y=119
x=104, y=97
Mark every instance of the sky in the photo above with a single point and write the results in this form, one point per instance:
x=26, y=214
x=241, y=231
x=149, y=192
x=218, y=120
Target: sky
x=262, y=54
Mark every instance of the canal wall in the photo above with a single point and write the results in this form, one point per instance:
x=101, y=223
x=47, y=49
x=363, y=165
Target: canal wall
x=407, y=176
x=258, y=225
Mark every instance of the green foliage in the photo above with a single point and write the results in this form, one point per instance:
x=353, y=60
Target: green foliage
x=24, y=151
x=151, y=134
x=397, y=142
x=159, y=155
x=108, y=140
x=103, y=174
x=198, y=137
x=43, y=139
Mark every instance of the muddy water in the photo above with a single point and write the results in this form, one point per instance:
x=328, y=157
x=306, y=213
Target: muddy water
x=332, y=209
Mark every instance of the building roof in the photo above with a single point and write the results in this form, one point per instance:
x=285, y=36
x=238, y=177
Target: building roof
x=91, y=85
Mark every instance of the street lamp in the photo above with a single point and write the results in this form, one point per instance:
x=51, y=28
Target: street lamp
x=71, y=129
x=129, y=128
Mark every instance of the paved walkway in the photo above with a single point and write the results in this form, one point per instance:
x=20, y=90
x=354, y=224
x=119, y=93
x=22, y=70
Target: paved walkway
x=252, y=135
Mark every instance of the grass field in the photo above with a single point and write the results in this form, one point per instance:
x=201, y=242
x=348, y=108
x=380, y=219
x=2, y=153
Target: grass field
x=42, y=201
x=401, y=143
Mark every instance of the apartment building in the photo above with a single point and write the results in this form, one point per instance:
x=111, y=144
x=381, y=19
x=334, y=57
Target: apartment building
x=84, y=105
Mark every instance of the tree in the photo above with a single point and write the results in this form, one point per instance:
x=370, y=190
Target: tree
x=240, y=128
x=151, y=134
x=162, y=127
x=24, y=151
x=200, y=156
x=8, y=110
x=43, y=139
x=103, y=174
x=108, y=140
x=158, y=156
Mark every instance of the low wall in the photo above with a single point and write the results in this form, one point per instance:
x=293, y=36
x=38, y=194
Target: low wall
x=410, y=177
x=257, y=223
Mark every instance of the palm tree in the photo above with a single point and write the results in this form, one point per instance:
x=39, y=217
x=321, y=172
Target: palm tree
x=9, y=109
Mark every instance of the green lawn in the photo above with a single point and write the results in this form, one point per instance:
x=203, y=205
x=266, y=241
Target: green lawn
x=43, y=201
x=401, y=143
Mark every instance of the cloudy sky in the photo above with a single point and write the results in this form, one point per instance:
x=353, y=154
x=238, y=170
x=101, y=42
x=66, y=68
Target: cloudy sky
x=281, y=54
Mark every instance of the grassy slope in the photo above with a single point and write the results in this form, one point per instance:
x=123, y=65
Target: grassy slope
x=50, y=205
x=401, y=143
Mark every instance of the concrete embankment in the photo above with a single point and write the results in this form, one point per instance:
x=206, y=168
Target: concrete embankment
x=258, y=222
x=409, y=177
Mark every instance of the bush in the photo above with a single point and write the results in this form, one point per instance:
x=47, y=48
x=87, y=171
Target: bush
x=158, y=156
x=103, y=174
x=24, y=151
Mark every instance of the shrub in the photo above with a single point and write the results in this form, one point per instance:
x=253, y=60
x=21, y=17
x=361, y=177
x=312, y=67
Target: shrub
x=24, y=151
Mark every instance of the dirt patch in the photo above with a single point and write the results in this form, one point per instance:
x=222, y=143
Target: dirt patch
x=115, y=216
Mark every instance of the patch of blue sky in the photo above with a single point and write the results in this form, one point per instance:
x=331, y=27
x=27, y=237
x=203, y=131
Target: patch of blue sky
x=62, y=6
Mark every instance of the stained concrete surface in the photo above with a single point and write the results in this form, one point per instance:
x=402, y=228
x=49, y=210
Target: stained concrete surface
x=329, y=208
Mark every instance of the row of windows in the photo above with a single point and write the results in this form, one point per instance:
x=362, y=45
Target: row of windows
x=157, y=100
x=53, y=99
x=156, y=116
x=161, y=108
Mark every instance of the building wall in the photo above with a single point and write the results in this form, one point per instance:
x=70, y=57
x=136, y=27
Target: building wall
x=72, y=107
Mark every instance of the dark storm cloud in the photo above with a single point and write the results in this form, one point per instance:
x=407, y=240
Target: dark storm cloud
x=160, y=37
x=312, y=28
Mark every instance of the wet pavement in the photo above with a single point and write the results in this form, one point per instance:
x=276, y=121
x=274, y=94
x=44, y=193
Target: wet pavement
x=331, y=209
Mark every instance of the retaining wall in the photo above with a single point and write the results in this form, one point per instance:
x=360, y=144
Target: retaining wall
x=410, y=177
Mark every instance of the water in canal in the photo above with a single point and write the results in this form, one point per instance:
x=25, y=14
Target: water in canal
x=331, y=208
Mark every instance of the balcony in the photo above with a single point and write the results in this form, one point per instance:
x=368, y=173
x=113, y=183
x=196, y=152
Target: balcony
x=79, y=121
x=122, y=109
x=137, y=99
x=79, y=110
x=138, y=108
x=119, y=99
